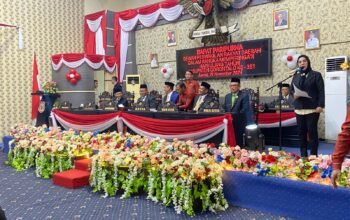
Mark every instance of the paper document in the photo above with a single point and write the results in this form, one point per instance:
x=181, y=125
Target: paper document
x=300, y=93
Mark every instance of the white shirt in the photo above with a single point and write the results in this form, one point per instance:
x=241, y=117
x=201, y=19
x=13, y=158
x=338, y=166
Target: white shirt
x=168, y=96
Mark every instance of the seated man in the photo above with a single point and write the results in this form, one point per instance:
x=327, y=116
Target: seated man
x=203, y=97
x=287, y=98
x=185, y=99
x=237, y=101
x=170, y=95
x=119, y=100
x=147, y=100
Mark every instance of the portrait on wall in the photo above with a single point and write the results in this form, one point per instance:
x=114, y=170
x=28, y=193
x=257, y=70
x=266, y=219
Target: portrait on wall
x=153, y=60
x=280, y=20
x=312, y=39
x=171, y=38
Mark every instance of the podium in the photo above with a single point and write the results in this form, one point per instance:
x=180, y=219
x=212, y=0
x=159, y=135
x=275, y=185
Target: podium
x=47, y=101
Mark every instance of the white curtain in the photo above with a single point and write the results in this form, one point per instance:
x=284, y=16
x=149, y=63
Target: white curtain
x=78, y=63
x=169, y=14
x=95, y=26
x=285, y=123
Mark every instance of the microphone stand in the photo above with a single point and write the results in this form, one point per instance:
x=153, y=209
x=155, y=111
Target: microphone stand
x=279, y=84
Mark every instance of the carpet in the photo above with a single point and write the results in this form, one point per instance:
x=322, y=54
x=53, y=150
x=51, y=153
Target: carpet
x=24, y=196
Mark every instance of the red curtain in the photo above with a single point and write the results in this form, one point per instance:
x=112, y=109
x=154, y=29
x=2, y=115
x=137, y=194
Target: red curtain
x=89, y=37
x=110, y=60
x=268, y=118
x=56, y=58
x=168, y=4
x=94, y=58
x=84, y=119
x=72, y=57
x=155, y=126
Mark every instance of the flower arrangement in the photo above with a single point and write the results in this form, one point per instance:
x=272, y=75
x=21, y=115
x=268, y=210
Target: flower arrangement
x=181, y=174
x=50, y=87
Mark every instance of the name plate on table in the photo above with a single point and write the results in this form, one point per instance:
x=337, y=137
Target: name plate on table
x=168, y=110
x=140, y=109
x=283, y=106
x=109, y=108
x=211, y=110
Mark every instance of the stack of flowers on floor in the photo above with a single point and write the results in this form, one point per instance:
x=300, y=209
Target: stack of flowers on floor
x=181, y=174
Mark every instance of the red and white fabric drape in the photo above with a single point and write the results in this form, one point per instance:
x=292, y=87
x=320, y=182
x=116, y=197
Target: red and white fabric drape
x=74, y=60
x=126, y=21
x=198, y=130
x=271, y=120
x=95, y=39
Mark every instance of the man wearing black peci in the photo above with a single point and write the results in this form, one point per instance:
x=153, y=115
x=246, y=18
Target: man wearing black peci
x=118, y=99
x=147, y=100
x=237, y=101
x=287, y=98
x=202, y=98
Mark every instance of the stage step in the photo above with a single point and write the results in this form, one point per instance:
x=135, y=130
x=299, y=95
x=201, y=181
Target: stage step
x=71, y=178
x=84, y=164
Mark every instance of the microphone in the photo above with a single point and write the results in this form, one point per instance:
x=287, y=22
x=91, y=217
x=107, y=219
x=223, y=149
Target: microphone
x=299, y=70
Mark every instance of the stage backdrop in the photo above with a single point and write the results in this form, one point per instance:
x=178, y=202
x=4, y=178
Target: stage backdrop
x=255, y=23
x=48, y=27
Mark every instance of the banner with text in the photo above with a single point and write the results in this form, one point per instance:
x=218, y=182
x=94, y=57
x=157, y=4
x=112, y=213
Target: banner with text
x=246, y=58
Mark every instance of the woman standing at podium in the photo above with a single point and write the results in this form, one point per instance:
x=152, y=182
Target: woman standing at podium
x=308, y=109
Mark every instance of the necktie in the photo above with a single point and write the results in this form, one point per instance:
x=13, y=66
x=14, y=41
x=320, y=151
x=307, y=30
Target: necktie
x=168, y=98
x=199, y=102
x=233, y=99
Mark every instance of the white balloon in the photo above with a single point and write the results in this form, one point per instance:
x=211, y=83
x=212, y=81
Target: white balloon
x=170, y=70
x=166, y=75
x=166, y=65
x=292, y=64
x=295, y=57
x=291, y=51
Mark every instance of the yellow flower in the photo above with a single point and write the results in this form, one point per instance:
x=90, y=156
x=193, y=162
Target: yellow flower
x=345, y=66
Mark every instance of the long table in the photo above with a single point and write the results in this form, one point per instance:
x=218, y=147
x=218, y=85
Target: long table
x=238, y=120
x=289, y=133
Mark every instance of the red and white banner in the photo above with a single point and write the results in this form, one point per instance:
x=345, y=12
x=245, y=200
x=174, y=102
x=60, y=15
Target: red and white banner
x=126, y=21
x=95, y=33
x=198, y=130
x=74, y=60
x=271, y=120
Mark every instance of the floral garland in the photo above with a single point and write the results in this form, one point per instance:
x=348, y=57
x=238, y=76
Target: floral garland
x=182, y=174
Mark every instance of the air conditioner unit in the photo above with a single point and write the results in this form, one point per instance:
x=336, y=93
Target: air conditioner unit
x=336, y=95
x=133, y=85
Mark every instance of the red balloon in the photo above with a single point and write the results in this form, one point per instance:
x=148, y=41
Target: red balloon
x=164, y=70
x=72, y=71
x=290, y=58
x=67, y=76
x=77, y=76
x=73, y=81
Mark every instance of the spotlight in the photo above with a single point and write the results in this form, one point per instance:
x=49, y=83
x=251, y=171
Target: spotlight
x=253, y=139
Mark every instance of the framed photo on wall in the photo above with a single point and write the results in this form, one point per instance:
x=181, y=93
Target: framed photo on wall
x=171, y=38
x=153, y=59
x=280, y=19
x=312, y=39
